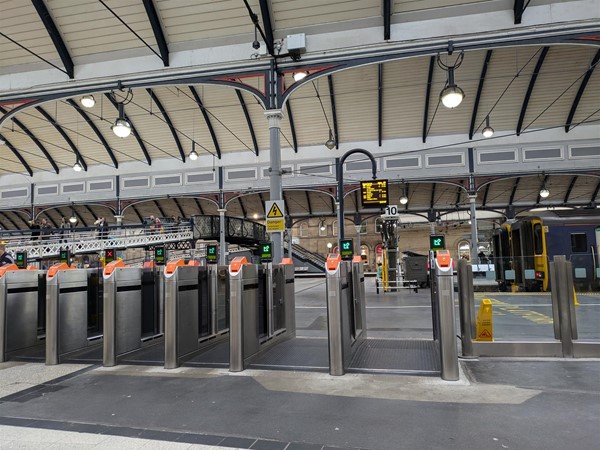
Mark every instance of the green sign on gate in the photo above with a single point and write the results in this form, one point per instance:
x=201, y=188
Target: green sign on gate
x=437, y=242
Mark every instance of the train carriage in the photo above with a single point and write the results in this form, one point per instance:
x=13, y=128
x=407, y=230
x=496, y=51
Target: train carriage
x=524, y=247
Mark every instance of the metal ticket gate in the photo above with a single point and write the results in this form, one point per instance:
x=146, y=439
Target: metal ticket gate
x=72, y=311
x=262, y=309
x=346, y=311
x=196, y=310
x=22, y=310
x=444, y=321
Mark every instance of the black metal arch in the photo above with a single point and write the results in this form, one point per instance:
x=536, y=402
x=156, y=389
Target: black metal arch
x=137, y=213
x=169, y=123
x=59, y=44
x=292, y=126
x=211, y=129
x=534, y=76
x=308, y=203
x=157, y=30
x=570, y=188
x=242, y=206
x=160, y=210
x=181, y=212
x=514, y=191
x=95, y=129
x=137, y=136
x=12, y=222
x=268, y=27
x=199, y=205
x=519, y=8
x=64, y=135
x=595, y=194
x=486, y=62
x=333, y=111
x=34, y=139
x=18, y=155
x=248, y=121
x=581, y=90
x=428, y=97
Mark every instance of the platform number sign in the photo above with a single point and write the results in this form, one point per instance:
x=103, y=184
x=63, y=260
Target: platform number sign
x=109, y=255
x=64, y=256
x=159, y=255
x=437, y=242
x=21, y=259
x=346, y=249
x=211, y=254
x=266, y=252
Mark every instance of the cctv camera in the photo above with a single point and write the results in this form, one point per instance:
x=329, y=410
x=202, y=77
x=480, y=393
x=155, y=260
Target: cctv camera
x=256, y=45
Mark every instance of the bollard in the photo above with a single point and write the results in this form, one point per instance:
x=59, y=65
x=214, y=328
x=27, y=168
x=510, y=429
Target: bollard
x=466, y=307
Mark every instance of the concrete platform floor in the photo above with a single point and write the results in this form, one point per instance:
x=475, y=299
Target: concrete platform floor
x=497, y=403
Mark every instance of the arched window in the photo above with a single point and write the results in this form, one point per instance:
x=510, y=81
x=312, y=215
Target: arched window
x=304, y=229
x=334, y=228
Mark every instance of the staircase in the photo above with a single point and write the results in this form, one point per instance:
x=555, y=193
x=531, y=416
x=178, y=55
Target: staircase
x=307, y=261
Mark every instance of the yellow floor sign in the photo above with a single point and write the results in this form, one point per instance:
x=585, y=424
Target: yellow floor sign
x=484, y=326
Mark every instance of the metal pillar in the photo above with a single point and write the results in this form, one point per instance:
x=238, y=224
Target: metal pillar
x=445, y=301
x=222, y=211
x=474, y=237
x=563, y=303
x=466, y=303
x=274, y=117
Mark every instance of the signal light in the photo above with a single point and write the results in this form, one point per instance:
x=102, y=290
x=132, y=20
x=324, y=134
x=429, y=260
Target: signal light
x=539, y=275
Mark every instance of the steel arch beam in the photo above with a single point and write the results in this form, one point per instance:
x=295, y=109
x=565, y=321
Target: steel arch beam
x=199, y=205
x=427, y=97
x=137, y=136
x=266, y=20
x=248, y=121
x=34, y=139
x=18, y=155
x=95, y=129
x=160, y=210
x=519, y=8
x=595, y=194
x=137, y=213
x=534, y=76
x=292, y=126
x=244, y=212
x=308, y=203
x=514, y=191
x=581, y=90
x=485, y=194
x=488, y=56
x=570, y=188
x=57, y=40
x=179, y=207
x=64, y=135
x=163, y=111
x=157, y=30
x=387, y=19
x=432, y=201
x=12, y=222
x=211, y=130
x=333, y=111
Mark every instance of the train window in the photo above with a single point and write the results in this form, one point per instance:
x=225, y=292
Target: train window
x=578, y=243
x=537, y=239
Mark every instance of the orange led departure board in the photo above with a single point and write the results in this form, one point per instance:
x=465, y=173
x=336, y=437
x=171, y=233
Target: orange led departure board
x=374, y=193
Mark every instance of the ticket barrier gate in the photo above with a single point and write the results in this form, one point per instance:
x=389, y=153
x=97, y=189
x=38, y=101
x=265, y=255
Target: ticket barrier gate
x=73, y=311
x=22, y=310
x=444, y=320
x=262, y=309
x=131, y=310
x=196, y=310
x=346, y=311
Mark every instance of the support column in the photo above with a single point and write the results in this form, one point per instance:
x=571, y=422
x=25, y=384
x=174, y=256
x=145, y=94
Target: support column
x=474, y=237
x=274, y=117
x=222, y=211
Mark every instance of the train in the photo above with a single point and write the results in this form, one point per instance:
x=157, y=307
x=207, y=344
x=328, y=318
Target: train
x=523, y=248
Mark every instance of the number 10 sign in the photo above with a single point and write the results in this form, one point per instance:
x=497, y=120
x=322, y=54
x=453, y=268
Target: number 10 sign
x=391, y=211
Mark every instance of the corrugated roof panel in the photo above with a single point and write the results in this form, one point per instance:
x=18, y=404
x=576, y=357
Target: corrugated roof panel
x=90, y=28
x=20, y=21
x=556, y=86
x=356, y=103
x=404, y=88
x=299, y=13
x=208, y=19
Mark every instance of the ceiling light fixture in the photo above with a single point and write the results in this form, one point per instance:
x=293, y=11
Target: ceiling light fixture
x=487, y=131
x=322, y=225
x=544, y=192
x=330, y=144
x=121, y=127
x=77, y=167
x=404, y=198
x=300, y=75
x=193, y=154
x=452, y=95
x=88, y=101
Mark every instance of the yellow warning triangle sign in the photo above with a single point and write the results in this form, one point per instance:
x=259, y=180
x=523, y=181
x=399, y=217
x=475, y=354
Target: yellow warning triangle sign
x=485, y=333
x=274, y=212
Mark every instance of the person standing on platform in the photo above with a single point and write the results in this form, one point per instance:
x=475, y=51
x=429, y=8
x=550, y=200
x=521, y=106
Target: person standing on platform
x=5, y=258
x=64, y=226
x=35, y=230
x=45, y=229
